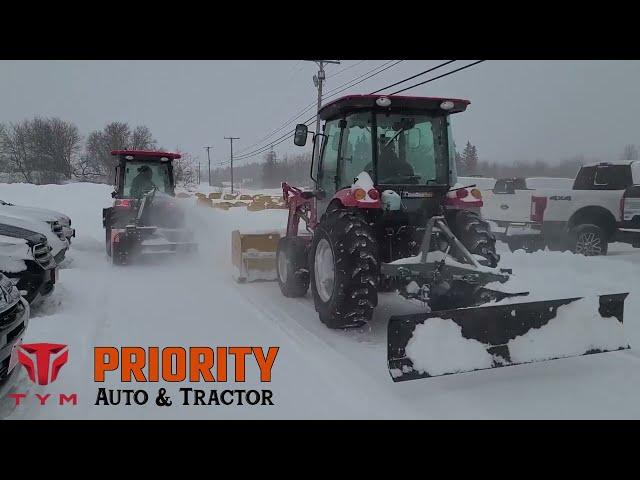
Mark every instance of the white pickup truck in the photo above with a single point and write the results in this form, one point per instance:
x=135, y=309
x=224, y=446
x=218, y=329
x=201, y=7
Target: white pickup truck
x=507, y=204
x=603, y=206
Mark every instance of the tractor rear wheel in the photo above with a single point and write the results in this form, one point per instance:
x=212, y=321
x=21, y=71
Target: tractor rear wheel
x=475, y=234
x=291, y=266
x=344, y=269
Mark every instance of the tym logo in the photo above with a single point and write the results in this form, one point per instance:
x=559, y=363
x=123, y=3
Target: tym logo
x=43, y=361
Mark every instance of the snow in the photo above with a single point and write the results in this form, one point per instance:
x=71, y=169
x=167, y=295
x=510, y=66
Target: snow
x=438, y=347
x=42, y=214
x=577, y=329
x=318, y=373
x=13, y=253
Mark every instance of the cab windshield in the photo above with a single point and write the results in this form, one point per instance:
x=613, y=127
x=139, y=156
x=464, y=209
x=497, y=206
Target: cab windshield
x=412, y=149
x=141, y=177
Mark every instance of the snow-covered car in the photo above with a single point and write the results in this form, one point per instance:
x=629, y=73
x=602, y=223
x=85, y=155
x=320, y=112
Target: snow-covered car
x=40, y=214
x=25, y=257
x=51, y=230
x=603, y=206
x=14, y=317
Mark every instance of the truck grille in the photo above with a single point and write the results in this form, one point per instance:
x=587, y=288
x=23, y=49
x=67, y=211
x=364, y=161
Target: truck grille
x=42, y=255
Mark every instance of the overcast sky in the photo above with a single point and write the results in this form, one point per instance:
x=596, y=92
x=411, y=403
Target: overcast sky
x=520, y=110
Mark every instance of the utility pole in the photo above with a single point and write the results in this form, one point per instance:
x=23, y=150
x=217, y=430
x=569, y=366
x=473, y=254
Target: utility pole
x=318, y=81
x=198, y=172
x=209, y=158
x=231, y=139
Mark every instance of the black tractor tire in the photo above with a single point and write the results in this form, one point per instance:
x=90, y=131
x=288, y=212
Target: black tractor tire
x=107, y=241
x=475, y=234
x=588, y=240
x=118, y=255
x=355, y=266
x=291, y=267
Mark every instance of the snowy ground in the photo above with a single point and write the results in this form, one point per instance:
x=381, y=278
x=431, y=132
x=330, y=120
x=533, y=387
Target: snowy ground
x=318, y=373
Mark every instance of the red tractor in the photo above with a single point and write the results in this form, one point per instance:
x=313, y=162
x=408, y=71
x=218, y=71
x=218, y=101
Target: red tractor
x=145, y=219
x=383, y=216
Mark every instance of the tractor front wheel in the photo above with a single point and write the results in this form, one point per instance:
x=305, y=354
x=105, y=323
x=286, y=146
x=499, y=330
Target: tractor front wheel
x=344, y=269
x=291, y=266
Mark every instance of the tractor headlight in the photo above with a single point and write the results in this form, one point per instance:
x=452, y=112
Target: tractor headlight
x=383, y=101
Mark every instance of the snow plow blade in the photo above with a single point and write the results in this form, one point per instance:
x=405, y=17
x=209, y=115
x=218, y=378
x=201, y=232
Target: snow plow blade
x=461, y=340
x=254, y=255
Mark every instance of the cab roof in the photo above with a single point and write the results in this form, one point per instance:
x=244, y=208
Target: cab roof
x=398, y=102
x=147, y=154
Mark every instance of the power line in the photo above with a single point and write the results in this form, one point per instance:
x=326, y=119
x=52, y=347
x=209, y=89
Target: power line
x=277, y=141
x=345, y=69
x=284, y=137
x=414, y=76
x=310, y=106
x=339, y=89
x=436, y=78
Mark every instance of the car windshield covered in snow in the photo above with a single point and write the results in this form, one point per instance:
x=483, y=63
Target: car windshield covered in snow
x=142, y=177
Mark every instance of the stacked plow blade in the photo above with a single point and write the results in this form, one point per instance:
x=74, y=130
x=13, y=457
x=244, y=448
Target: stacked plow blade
x=466, y=339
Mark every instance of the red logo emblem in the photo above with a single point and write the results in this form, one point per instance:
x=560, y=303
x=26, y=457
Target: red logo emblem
x=43, y=361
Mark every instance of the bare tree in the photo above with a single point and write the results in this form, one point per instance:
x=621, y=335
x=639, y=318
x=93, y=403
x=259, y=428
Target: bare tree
x=40, y=150
x=141, y=139
x=185, y=170
x=15, y=147
x=97, y=163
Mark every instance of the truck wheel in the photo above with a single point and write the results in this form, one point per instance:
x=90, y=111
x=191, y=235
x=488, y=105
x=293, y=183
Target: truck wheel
x=291, y=266
x=343, y=262
x=589, y=240
x=475, y=234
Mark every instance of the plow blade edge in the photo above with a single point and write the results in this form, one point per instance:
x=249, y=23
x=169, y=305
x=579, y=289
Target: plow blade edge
x=466, y=339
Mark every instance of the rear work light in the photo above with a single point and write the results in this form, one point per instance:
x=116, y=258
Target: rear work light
x=538, y=206
x=359, y=194
x=462, y=193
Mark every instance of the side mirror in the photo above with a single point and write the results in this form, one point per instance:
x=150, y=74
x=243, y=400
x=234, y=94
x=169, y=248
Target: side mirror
x=300, y=137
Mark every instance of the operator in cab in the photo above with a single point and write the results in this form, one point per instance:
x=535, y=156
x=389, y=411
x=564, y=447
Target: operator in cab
x=142, y=183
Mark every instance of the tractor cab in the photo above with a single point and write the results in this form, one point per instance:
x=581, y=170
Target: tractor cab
x=139, y=171
x=403, y=143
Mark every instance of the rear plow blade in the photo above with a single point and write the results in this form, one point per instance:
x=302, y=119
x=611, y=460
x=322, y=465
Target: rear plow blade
x=466, y=339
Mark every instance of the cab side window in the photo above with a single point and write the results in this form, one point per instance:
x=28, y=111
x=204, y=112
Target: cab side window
x=327, y=174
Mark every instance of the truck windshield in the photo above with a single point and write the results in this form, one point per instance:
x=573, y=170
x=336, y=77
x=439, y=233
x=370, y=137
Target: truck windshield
x=412, y=149
x=142, y=177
